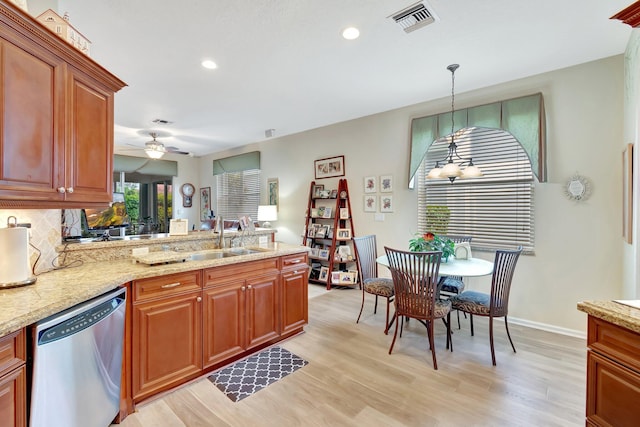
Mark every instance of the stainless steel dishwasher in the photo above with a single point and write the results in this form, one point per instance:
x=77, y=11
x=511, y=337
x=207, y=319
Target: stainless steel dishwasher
x=77, y=364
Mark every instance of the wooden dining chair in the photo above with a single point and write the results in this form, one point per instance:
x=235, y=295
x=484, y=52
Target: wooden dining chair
x=415, y=282
x=453, y=285
x=366, y=254
x=496, y=303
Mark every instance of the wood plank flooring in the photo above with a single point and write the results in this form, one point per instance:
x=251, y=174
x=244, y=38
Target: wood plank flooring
x=351, y=380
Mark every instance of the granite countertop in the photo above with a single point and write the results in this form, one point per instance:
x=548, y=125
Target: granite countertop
x=60, y=289
x=619, y=314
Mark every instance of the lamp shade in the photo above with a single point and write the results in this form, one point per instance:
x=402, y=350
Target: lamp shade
x=267, y=213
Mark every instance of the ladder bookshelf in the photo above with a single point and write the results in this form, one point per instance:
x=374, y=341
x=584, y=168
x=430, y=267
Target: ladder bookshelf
x=328, y=232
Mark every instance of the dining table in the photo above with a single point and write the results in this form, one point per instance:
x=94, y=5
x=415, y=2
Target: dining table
x=471, y=267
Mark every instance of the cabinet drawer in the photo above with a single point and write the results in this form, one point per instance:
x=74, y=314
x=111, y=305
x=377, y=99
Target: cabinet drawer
x=171, y=284
x=243, y=270
x=293, y=261
x=12, y=351
x=614, y=342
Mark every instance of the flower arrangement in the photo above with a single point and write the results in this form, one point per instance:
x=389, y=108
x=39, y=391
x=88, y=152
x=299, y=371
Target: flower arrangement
x=432, y=242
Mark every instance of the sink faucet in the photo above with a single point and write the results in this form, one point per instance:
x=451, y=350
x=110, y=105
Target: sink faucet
x=220, y=233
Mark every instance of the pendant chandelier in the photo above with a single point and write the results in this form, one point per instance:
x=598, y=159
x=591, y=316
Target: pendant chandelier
x=452, y=162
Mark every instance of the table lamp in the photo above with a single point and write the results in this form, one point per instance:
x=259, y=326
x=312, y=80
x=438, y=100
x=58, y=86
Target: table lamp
x=267, y=213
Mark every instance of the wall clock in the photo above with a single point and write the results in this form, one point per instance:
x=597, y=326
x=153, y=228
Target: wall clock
x=187, y=190
x=577, y=188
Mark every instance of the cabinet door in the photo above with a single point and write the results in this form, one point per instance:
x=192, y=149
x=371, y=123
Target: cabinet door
x=262, y=309
x=89, y=150
x=31, y=148
x=13, y=393
x=613, y=393
x=167, y=343
x=224, y=322
x=294, y=299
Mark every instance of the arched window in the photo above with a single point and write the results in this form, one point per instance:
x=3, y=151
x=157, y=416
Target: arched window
x=495, y=209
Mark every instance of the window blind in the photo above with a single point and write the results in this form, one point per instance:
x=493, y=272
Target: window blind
x=238, y=194
x=495, y=209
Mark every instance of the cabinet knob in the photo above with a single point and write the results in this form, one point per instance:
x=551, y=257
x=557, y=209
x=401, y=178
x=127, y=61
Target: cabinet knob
x=242, y=289
x=199, y=299
x=61, y=190
x=249, y=287
x=70, y=190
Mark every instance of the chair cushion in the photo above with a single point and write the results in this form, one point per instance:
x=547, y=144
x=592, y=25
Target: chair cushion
x=472, y=302
x=379, y=286
x=451, y=284
x=442, y=308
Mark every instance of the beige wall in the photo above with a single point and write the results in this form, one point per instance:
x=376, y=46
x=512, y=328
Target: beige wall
x=578, y=245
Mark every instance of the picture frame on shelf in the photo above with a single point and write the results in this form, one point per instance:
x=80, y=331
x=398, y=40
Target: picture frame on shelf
x=386, y=203
x=205, y=203
x=335, y=277
x=327, y=212
x=321, y=232
x=344, y=234
x=324, y=274
x=323, y=253
x=347, y=278
x=273, y=190
x=329, y=167
x=334, y=194
x=317, y=190
x=314, y=213
x=386, y=183
x=370, y=203
x=344, y=213
x=321, y=211
x=370, y=184
x=311, y=232
x=355, y=275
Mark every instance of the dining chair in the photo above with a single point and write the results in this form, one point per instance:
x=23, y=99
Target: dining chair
x=496, y=303
x=453, y=285
x=366, y=254
x=415, y=282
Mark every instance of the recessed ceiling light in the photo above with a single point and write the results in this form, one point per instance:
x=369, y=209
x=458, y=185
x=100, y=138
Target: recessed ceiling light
x=351, y=33
x=207, y=63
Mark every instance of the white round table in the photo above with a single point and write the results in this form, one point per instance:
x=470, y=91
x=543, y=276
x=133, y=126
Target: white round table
x=472, y=267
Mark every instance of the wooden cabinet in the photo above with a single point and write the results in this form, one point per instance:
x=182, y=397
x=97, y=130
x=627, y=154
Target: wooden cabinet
x=167, y=332
x=56, y=125
x=295, y=289
x=613, y=375
x=328, y=231
x=241, y=308
x=13, y=381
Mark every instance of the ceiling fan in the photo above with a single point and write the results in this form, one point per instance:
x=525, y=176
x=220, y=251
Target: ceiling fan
x=156, y=149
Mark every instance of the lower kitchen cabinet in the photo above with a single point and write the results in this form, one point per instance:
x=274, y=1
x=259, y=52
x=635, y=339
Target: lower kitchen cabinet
x=240, y=313
x=295, y=292
x=613, y=375
x=167, y=333
x=13, y=380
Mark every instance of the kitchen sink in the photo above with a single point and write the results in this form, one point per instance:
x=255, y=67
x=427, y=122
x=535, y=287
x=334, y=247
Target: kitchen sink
x=211, y=255
x=246, y=251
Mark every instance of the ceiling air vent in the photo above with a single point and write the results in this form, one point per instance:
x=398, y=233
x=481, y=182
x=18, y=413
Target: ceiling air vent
x=414, y=17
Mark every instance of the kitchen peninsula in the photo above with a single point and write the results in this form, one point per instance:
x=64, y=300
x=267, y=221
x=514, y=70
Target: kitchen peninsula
x=613, y=362
x=259, y=291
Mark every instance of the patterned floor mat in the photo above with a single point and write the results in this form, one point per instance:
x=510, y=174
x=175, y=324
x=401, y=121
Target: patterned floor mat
x=245, y=377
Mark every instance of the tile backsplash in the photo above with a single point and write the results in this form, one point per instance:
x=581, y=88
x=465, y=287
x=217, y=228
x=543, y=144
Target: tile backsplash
x=45, y=233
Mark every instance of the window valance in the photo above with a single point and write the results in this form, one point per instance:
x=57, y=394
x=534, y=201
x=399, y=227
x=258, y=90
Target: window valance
x=144, y=165
x=239, y=163
x=522, y=117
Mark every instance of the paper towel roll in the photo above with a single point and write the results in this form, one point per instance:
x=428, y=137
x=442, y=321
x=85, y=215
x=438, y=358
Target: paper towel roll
x=14, y=255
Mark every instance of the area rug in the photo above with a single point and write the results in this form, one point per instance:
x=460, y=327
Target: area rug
x=245, y=377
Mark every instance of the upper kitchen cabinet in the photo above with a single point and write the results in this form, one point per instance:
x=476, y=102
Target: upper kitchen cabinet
x=56, y=136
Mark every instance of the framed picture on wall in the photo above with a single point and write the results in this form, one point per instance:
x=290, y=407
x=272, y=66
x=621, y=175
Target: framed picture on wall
x=370, y=185
x=329, y=167
x=205, y=203
x=272, y=191
x=386, y=203
x=369, y=203
x=386, y=184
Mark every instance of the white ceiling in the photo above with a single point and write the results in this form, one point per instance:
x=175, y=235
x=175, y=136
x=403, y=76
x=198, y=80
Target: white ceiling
x=283, y=65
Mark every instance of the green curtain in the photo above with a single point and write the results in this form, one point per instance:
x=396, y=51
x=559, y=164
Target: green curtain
x=523, y=117
x=144, y=165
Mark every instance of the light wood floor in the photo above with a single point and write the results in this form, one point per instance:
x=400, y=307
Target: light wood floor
x=351, y=380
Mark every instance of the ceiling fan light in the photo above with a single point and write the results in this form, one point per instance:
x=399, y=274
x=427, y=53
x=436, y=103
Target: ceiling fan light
x=450, y=170
x=153, y=153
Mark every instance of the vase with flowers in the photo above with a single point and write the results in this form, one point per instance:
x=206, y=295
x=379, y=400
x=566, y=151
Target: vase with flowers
x=432, y=242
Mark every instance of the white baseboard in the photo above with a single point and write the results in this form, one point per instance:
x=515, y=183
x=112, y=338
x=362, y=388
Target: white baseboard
x=547, y=327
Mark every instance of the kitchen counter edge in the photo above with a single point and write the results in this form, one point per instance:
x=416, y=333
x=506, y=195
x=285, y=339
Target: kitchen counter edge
x=60, y=289
x=610, y=311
